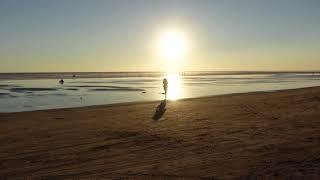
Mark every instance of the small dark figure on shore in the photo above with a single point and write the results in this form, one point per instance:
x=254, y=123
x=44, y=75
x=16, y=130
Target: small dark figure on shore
x=165, y=87
x=61, y=81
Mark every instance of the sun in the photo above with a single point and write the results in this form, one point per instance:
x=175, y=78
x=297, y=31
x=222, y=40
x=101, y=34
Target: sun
x=172, y=45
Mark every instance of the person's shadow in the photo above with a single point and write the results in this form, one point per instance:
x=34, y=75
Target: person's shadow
x=160, y=110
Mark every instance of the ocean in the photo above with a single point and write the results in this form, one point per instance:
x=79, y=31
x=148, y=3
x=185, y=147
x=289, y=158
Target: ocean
x=38, y=91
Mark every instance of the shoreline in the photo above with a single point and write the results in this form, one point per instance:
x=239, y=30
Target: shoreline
x=157, y=101
x=255, y=135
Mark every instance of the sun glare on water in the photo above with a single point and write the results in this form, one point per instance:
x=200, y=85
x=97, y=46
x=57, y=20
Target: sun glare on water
x=172, y=47
x=175, y=91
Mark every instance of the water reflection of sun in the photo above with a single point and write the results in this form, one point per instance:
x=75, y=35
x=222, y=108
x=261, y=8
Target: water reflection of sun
x=175, y=90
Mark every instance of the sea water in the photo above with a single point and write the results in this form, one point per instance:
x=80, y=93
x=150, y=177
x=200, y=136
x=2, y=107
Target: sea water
x=37, y=91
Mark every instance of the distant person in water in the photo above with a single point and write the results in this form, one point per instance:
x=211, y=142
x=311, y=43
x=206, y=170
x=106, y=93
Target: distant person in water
x=165, y=87
x=61, y=81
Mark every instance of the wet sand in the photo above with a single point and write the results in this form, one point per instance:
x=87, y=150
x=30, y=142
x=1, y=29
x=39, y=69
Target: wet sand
x=245, y=136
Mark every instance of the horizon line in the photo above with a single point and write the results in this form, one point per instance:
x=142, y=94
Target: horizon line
x=241, y=71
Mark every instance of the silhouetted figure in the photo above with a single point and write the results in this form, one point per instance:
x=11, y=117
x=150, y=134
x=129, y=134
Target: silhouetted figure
x=61, y=81
x=165, y=87
x=74, y=75
x=161, y=109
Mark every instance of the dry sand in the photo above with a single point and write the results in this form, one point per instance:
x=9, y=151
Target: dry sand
x=245, y=136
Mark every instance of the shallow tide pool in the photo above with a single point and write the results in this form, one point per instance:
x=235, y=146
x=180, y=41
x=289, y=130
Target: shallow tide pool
x=36, y=94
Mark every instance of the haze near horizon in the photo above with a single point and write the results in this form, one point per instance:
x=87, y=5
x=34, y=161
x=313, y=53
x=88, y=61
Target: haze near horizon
x=175, y=35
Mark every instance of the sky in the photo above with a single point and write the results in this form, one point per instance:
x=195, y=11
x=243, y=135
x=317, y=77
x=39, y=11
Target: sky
x=121, y=35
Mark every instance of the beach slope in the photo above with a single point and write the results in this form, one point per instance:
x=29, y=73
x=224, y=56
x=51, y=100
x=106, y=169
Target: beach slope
x=253, y=135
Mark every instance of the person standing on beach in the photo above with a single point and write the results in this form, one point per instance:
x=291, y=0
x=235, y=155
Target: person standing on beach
x=165, y=87
x=61, y=81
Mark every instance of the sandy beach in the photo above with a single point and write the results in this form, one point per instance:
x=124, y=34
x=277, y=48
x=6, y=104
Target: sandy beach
x=245, y=136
